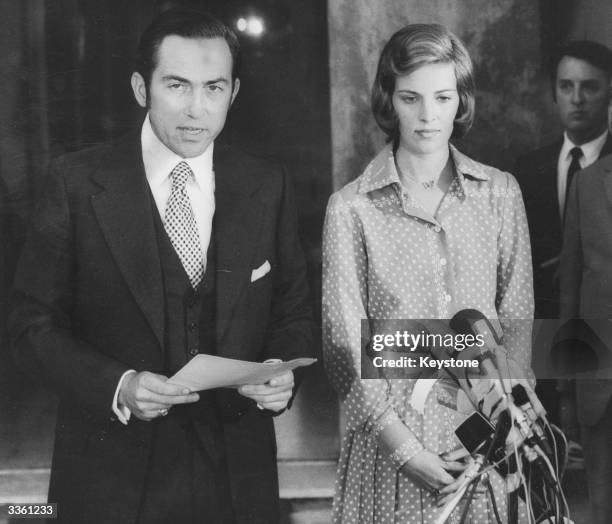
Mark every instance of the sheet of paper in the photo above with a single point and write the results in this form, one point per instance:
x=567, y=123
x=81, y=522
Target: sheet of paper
x=208, y=372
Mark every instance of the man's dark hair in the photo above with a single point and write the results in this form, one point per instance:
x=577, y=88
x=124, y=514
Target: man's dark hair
x=596, y=54
x=186, y=23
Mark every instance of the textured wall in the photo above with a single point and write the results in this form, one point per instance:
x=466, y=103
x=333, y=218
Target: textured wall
x=592, y=20
x=514, y=112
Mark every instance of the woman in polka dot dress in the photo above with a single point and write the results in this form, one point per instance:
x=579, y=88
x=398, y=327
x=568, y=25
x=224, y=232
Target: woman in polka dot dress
x=423, y=233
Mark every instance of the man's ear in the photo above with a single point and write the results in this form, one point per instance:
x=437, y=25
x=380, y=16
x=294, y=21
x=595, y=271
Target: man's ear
x=140, y=89
x=235, y=91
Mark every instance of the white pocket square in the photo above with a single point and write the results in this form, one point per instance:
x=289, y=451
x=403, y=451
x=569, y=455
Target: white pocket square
x=261, y=271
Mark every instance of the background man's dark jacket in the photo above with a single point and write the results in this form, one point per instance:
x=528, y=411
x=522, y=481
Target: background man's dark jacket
x=586, y=276
x=536, y=173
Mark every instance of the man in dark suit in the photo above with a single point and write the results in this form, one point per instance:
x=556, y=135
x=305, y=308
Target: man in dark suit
x=143, y=253
x=580, y=77
x=586, y=293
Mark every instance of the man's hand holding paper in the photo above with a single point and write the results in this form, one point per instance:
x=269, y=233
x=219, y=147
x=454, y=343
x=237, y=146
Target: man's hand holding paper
x=148, y=395
x=274, y=394
x=269, y=384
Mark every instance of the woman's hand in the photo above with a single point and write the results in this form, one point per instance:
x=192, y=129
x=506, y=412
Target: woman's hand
x=470, y=472
x=430, y=471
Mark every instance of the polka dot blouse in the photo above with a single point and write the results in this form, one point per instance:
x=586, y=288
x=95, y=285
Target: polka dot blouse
x=385, y=257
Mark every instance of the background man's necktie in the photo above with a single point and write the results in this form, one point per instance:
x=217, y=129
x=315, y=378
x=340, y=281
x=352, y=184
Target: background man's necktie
x=573, y=168
x=181, y=225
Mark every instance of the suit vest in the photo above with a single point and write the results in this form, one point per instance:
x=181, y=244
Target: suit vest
x=187, y=479
x=189, y=314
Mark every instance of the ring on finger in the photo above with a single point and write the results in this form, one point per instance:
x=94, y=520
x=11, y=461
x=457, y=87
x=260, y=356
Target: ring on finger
x=435, y=492
x=162, y=412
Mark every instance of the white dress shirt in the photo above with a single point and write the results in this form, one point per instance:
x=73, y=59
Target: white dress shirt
x=590, y=153
x=159, y=161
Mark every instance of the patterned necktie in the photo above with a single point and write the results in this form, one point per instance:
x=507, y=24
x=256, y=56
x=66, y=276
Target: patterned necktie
x=573, y=168
x=181, y=226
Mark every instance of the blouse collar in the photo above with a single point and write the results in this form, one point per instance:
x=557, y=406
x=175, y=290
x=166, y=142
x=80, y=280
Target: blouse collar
x=381, y=171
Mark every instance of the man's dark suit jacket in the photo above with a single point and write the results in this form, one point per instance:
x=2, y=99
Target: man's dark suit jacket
x=536, y=173
x=89, y=305
x=586, y=273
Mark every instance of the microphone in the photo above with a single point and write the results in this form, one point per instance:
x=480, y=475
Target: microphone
x=525, y=396
x=525, y=402
x=524, y=431
x=521, y=419
x=473, y=322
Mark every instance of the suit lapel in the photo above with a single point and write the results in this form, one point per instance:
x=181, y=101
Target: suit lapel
x=125, y=214
x=237, y=223
x=607, y=148
x=607, y=167
x=547, y=181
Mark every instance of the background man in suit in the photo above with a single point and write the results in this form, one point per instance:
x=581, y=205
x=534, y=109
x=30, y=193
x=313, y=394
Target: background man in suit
x=580, y=77
x=586, y=293
x=143, y=253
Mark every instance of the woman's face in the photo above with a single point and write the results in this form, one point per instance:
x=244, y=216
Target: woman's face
x=426, y=103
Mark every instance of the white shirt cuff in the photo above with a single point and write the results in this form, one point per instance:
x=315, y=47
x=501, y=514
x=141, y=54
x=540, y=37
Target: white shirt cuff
x=123, y=413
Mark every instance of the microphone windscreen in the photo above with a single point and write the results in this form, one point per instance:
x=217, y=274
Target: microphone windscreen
x=520, y=395
x=463, y=321
x=473, y=322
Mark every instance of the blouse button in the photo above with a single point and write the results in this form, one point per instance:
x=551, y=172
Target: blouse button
x=437, y=229
x=442, y=261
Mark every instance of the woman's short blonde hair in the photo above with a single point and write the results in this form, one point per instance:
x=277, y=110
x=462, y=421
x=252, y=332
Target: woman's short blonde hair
x=412, y=47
